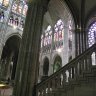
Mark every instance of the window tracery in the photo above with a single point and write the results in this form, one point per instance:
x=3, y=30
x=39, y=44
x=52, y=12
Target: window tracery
x=20, y=8
x=92, y=34
x=58, y=34
x=46, y=39
x=4, y=3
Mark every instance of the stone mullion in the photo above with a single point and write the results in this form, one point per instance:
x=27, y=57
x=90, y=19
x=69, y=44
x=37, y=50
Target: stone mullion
x=85, y=39
x=83, y=46
x=80, y=42
x=83, y=24
x=21, y=56
x=52, y=49
x=78, y=37
x=76, y=43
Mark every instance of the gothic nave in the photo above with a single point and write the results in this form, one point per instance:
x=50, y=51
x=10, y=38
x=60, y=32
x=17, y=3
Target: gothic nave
x=47, y=47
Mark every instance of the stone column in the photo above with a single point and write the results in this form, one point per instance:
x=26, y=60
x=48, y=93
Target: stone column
x=1, y=48
x=80, y=31
x=29, y=50
x=51, y=54
x=78, y=40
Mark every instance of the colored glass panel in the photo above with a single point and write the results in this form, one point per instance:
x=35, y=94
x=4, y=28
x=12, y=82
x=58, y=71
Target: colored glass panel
x=48, y=35
x=92, y=34
x=25, y=10
x=14, y=7
x=20, y=7
x=5, y=3
x=59, y=31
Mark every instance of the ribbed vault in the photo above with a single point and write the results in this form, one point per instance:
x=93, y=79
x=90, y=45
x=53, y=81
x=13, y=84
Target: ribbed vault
x=56, y=10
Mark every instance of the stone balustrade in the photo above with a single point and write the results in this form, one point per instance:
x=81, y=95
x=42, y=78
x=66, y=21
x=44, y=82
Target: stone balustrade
x=69, y=72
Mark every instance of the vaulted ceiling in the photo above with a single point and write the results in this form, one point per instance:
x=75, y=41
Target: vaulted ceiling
x=79, y=9
x=56, y=10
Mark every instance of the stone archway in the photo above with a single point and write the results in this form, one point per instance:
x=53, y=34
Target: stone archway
x=9, y=57
x=46, y=66
x=57, y=63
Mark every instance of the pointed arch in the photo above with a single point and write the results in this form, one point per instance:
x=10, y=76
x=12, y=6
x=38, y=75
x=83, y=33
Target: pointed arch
x=57, y=63
x=45, y=66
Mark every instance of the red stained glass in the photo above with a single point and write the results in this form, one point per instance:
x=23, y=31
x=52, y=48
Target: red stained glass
x=25, y=10
x=5, y=3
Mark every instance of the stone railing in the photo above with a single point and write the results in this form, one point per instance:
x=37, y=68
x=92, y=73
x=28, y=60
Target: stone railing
x=68, y=73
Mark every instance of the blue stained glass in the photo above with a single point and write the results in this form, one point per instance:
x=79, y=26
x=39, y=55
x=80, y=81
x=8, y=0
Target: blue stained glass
x=92, y=34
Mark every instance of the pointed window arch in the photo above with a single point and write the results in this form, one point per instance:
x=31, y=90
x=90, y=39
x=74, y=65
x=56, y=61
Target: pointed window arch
x=4, y=3
x=70, y=34
x=58, y=34
x=59, y=30
x=46, y=39
x=92, y=40
x=20, y=7
x=25, y=9
x=48, y=36
x=92, y=34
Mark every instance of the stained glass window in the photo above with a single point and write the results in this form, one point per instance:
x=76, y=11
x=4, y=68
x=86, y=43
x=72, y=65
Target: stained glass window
x=59, y=31
x=92, y=34
x=16, y=21
x=14, y=7
x=17, y=8
x=11, y=20
x=58, y=34
x=48, y=36
x=46, y=39
x=20, y=7
x=4, y=3
x=92, y=40
x=25, y=9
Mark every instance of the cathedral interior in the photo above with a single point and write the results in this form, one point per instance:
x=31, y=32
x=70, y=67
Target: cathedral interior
x=47, y=47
